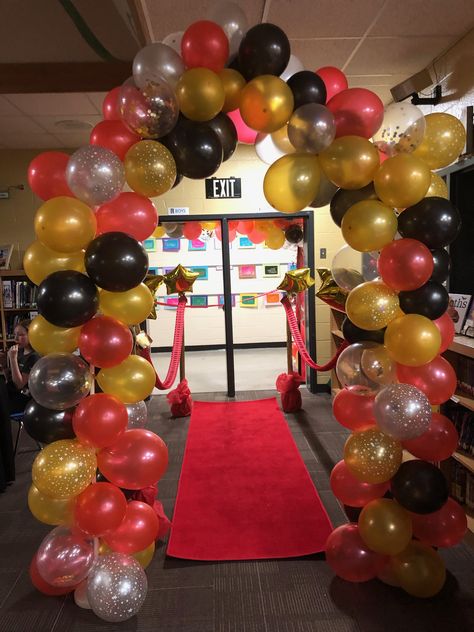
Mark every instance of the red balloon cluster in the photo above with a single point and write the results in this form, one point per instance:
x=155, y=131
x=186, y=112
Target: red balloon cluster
x=105, y=342
x=357, y=111
x=405, y=264
x=130, y=213
x=114, y=135
x=354, y=411
x=47, y=175
x=137, y=531
x=205, y=45
x=99, y=420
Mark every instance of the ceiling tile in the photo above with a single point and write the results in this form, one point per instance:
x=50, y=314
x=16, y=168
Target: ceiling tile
x=18, y=124
x=437, y=17
x=366, y=81
x=7, y=108
x=97, y=99
x=322, y=53
x=49, y=123
x=72, y=140
x=29, y=141
x=53, y=104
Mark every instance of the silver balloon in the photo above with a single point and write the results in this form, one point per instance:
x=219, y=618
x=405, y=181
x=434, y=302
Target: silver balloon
x=156, y=62
x=137, y=415
x=311, y=128
x=294, y=65
x=59, y=381
x=365, y=368
x=402, y=129
x=326, y=192
x=80, y=596
x=177, y=233
x=169, y=227
x=233, y=21
x=350, y=267
x=402, y=411
x=173, y=40
x=116, y=587
x=95, y=174
x=151, y=111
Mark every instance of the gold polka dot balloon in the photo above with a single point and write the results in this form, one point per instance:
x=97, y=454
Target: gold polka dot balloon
x=64, y=469
x=443, y=141
x=438, y=187
x=372, y=305
x=150, y=168
x=372, y=456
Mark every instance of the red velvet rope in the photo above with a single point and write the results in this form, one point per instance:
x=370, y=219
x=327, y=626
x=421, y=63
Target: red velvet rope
x=175, y=354
x=295, y=332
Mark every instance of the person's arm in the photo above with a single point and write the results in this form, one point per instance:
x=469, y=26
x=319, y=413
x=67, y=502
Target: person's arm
x=19, y=379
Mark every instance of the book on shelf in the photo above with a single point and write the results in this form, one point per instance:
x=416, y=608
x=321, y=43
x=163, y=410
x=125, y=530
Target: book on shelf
x=458, y=309
x=468, y=328
x=7, y=293
x=465, y=375
x=462, y=485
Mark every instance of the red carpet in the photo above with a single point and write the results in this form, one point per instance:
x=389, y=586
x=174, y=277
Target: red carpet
x=244, y=491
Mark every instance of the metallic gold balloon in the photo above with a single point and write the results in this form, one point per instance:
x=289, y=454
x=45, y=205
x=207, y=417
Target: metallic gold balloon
x=281, y=140
x=275, y=238
x=419, y=569
x=372, y=305
x=402, y=180
x=369, y=225
x=385, y=526
x=65, y=224
x=372, y=456
x=50, y=510
x=64, y=469
x=438, y=187
x=130, y=381
x=443, y=141
x=158, y=232
x=200, y=94
x=292, y=182
x=180, y=280
x=233, y=83
x=131, y=307
x=208, y=225
x=143, y=557
x=350, y=162
x=266, y=103
x=40, y=261
x=153, y=282
x=329, y=291
x=47, y=338
x=412, y=340
x=296, y=281
x=150, y=168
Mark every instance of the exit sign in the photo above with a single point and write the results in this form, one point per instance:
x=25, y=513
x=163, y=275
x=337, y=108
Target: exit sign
x=221, y=188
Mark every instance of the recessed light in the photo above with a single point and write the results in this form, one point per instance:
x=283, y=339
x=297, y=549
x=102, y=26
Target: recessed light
x=71, y=125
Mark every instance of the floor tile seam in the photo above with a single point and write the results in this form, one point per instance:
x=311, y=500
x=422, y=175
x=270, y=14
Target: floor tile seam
x=2, y=603
x=59, y=614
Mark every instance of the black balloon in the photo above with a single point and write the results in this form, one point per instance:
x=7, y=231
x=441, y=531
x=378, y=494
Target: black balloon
x=67, y=298
x=264, y=50
x=307, y=87
x=420, y=487
x=179, y=177
x=434, y=221
x=116, y=262
x=227, y=133
x=430, y=300
x=195, y=147
x=294, y=233
x=353, y=334
x=345, y=198
x=442, y=265
x=46, y=425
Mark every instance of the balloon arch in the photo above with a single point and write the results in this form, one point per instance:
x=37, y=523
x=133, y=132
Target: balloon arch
x=180, y=115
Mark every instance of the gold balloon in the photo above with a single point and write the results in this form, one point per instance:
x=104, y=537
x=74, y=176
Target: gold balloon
x=438, y=187
x=385, y=526
x=208, y=225
x=200, y=94
x=131, y=307
x=64, y=469
x=232, y=82
x=158, y=232
x=419, y=569
x=372, y=305
x=281, y=140
x=130, y=381
x=443, y=141
x=275, y=238
x=402, y=180
x=39, y=261
x=50, y=510
x=369, y=225
x=350, y=162
x=292, y=182
x=143, y=557
x=266, y=103
x=412, y=340
x=150, y=168
x=65, y=224
x=47, y=338
x=329, y=291
x=372, y=456
x=180, y=279
x=296, y=281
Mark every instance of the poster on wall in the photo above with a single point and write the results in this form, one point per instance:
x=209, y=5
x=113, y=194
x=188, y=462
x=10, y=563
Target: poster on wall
x=203, y=272
x=272, y=299
x=248, y=300
x=196, y=244
x=248, y=271
x=199, y=300
x=246, y=242
x=170, y=245
x=271, y=270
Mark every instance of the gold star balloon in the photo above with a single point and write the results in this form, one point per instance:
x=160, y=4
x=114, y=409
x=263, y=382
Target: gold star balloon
x=296, y=281
x=329, y=291
x=153, y=282
x=180, y=280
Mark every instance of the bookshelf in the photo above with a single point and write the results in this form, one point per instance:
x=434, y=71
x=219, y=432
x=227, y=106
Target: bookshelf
x=17, y=301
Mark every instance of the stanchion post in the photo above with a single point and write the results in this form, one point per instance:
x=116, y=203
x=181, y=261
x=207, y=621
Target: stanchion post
x=289, y=354
x=182, y=365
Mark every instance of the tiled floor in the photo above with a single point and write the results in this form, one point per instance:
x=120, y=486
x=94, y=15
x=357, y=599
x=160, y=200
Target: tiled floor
x=291, y=595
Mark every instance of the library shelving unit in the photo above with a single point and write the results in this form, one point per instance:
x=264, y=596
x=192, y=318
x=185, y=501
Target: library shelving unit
x=17, y=301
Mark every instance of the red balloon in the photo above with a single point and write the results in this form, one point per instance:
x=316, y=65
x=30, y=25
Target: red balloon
x=113, y=135
x=99, y=420
x=105, y=342
x=437, y=379
x=350, y=491
x=205, y=45
x=245, y=134
x=245, y=226
x=101, y=507
x=357, y=111
x=445, y=325
x=47, y=175
x=138, y=530
x=349, y=556
x=192, y=230
x=445, y=527
x=137, y=459
x=111, y=105
x=353, y=411
x=282, y=223
x=437, y=443
x=257, y=236
x=382, y=156
x=405, y=264
x=218, y=233
x=128, y=213
x=334, y=80
x=43, y=587
x=233, y=224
